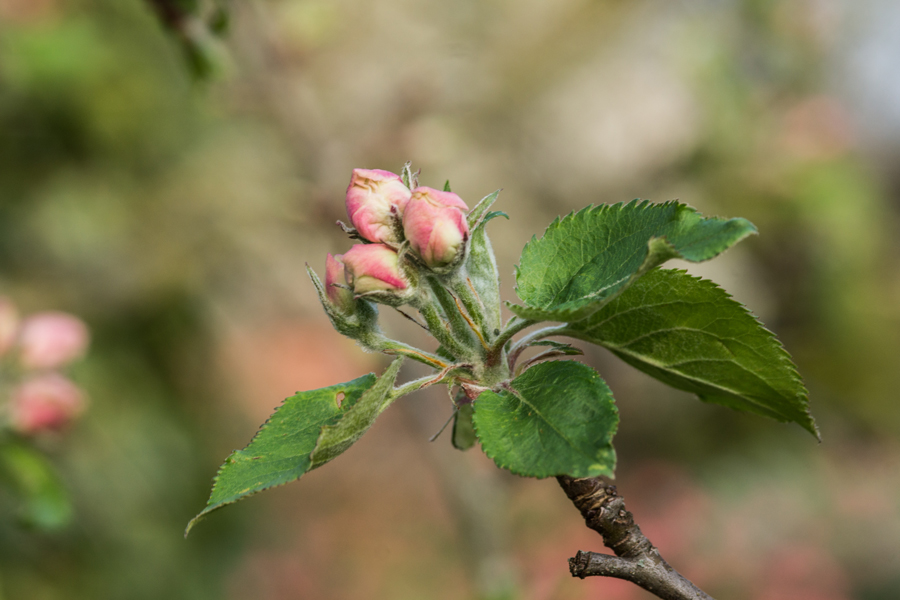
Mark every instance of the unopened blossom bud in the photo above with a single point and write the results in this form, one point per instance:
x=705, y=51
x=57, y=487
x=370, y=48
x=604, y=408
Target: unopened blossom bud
x=373, y=268
x=434, y=222
x=47, y=402
x=376, y=200
x=52, y=339
x=9, y=324
x=340, y=297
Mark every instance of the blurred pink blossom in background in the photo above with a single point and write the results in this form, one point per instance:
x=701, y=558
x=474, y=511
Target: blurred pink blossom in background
x=51, y=339
x=42, y=399
x=45, y=402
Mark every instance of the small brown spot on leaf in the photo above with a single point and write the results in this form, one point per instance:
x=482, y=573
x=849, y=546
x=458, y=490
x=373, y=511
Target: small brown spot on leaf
x=339, y=398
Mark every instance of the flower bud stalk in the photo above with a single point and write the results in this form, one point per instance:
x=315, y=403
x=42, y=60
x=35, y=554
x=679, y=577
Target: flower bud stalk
x=458, y=326
x=438, y=328
x=462, y=286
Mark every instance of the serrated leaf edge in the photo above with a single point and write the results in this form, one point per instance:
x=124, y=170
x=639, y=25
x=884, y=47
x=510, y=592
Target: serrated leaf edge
x=784, y=356
x=387, y=378
x=211, y=508
x=562, y=314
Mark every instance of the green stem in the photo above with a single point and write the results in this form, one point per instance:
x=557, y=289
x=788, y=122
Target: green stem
x=513, y=326
x=534, y=336
x=471, y=301
x=539, y=335
x=458, y=324
x=440, y=332
x=380, y=343
x=428, y=380
x=410, y=387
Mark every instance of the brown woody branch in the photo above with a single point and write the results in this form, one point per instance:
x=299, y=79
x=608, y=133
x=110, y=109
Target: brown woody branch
x=636, y=559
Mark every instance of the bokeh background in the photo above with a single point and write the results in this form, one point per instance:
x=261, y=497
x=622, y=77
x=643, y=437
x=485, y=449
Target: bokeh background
x=174, y=213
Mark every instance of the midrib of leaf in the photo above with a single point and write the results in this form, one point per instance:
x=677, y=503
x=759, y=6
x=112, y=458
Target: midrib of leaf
x=551, y=425
x=590, y=263
x=706, y=383
x=736, y=339
x=642, y=307
x=622, y=348
x=579, y=219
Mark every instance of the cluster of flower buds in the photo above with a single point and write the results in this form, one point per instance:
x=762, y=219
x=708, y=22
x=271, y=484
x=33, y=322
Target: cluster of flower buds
x=35, y=349
x=385, y=211
x=424, y=223
x=413, y=246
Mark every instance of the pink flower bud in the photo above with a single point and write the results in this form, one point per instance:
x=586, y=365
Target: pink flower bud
x=340, y=297
x=434, y=222
x=375, y=202
x=43, y=403
x=9, y=324
x=52, y=339
x=373, y=268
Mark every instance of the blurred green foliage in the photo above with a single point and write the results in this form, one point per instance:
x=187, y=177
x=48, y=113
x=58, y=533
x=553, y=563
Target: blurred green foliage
x=165, y=213
x=95, y=111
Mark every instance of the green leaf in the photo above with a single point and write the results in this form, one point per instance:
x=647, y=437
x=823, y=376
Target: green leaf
x=447, y=186
x=587, y=258
x=307, y=423
x=356, y=420
x=557, y=418
x=463, y=436
x=690, y=334
x=44, y=500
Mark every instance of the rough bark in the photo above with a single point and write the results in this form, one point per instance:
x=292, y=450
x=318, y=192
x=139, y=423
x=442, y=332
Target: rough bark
x=636, y=559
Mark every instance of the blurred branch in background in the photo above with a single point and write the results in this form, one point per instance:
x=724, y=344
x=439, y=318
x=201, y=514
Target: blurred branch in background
x=197, y=24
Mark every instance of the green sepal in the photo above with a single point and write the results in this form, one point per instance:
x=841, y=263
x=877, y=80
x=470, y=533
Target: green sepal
x=481, y=265
x=282, y=450
x=359, y=324
x=557, y=418
x=481, y=209
x=489, y=216
x=587, y=258
x=407, y=176
x=690, y=334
